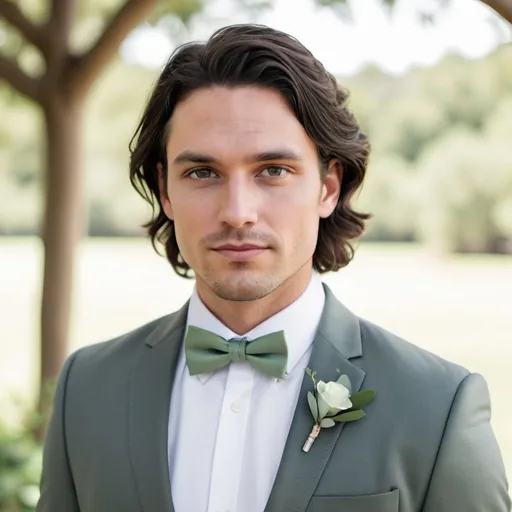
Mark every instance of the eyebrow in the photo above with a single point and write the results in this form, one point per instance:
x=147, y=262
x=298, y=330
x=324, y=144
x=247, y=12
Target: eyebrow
x=265, y=156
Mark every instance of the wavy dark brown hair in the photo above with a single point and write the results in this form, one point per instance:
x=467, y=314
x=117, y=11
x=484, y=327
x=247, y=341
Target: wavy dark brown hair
x=241, y=55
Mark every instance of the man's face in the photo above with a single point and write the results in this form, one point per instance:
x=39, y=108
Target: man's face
x=244, y=191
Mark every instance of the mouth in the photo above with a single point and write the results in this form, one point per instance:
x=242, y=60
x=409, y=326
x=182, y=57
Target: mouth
x=244, y=252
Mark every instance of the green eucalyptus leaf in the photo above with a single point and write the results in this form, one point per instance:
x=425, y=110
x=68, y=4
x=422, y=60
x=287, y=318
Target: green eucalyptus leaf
x=345, y=381
x=312, y=374
x=313, y=407
x=349, y=416
x=362, y=399
x=327, y=423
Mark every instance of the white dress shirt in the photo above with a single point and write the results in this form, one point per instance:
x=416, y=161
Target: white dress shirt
x=228, y=429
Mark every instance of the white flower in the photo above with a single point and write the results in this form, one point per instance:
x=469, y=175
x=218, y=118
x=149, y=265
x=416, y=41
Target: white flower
x=332, y=398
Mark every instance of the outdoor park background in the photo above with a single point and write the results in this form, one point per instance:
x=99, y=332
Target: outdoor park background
x=435, y=266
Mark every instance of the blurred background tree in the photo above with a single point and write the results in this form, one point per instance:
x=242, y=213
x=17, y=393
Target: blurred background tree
x=441, y=170
x=429, y=178
x=49, y=60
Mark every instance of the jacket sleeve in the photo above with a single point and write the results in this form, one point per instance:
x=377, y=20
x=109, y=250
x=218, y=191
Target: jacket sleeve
x=57, y=486
x=469, y=475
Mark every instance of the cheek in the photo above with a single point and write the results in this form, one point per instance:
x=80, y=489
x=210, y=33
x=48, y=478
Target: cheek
x=295, y=217
x=189, y=208
x=190, y=222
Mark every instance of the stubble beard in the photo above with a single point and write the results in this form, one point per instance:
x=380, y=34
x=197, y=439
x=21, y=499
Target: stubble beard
x=243, y=285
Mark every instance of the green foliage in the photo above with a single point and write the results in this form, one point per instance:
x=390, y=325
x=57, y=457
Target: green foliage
x=349, y=416
x=467, y=185
x=313, y=407
x=362, y=399
x=20, y=161
x=312, y=374
x=440, y=171
x=327, y=423
x=36, y=10
x=344, y=381
x=20, y=469
x=181, y=9
x=389, y=194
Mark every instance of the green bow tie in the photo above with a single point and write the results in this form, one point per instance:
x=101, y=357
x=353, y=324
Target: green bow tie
x=206, y=352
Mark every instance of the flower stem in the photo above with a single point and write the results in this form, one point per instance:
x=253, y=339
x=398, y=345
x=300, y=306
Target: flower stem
x=311, y=438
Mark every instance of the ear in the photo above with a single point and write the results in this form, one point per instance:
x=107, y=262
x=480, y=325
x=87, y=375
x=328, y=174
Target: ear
x=164, y=194
x=331, y=188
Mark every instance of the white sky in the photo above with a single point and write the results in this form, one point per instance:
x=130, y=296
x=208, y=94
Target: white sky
x=393, y=42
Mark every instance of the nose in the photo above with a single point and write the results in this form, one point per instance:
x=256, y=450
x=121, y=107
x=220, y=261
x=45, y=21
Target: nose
x=238, y=202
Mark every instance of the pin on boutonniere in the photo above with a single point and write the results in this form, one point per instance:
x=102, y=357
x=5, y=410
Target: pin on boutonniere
x=332, y=402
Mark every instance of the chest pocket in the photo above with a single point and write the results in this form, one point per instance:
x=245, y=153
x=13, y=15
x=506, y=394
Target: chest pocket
x=386, y=502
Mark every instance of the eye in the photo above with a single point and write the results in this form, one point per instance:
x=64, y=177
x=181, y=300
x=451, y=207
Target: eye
x=200, y=174
x=275, y=171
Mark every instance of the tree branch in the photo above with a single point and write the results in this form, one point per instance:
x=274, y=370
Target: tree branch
x=16, y=78
x=62, y=15
x=502, y=7
x=32, y=33
x=88, y=66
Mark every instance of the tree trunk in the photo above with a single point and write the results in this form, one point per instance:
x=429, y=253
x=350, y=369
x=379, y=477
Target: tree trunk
x=63, y=223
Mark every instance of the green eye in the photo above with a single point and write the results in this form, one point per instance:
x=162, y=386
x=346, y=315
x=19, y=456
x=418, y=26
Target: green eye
x=200, y=174
x=275, y=171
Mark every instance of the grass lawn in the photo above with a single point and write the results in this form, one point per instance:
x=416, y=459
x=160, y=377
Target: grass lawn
x=459, y=307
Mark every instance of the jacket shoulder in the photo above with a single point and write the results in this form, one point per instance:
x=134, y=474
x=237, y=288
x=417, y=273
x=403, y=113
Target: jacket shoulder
x=119, y=354
x=407, y=364
x=127, y=342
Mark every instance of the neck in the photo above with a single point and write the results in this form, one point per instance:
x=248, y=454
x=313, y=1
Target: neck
x=241, y=317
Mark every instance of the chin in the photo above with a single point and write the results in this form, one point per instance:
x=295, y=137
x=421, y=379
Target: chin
x=244, y=286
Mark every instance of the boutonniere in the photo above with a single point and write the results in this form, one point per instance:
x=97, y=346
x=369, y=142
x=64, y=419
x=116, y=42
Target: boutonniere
x=331, y=403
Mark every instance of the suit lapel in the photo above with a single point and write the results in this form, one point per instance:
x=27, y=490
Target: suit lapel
x=150, y=390
x=338, y=339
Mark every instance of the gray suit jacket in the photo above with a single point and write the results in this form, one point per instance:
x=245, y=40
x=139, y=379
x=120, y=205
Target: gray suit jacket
x=425, y=445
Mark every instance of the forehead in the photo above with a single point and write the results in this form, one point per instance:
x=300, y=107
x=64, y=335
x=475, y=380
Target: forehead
x=231, y=121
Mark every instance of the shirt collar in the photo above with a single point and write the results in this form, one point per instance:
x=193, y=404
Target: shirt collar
x=299, y=321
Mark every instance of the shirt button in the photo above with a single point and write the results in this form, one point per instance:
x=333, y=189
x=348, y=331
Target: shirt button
x=237, y=406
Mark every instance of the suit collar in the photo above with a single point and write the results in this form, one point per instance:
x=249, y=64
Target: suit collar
x=339, y=327
x=338, y=341
x=150, y=387
x=167, y=326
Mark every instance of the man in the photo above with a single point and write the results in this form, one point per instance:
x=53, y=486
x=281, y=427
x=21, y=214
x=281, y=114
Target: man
x=250, y=157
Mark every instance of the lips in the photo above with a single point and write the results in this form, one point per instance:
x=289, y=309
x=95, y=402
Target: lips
x=244, y=252
x=244, y=247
